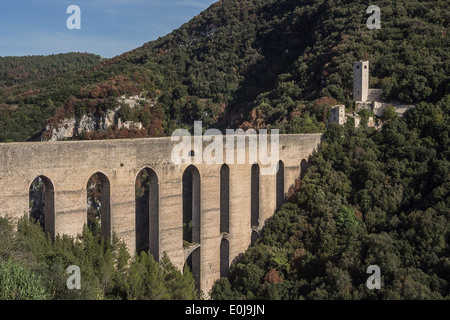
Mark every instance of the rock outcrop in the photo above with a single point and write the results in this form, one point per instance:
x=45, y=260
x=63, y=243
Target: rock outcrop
x=70, y=128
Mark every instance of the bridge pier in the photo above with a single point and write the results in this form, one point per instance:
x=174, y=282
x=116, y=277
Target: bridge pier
x=267, y=198
x=240, y=207
x=171, y=216
x=210, y=236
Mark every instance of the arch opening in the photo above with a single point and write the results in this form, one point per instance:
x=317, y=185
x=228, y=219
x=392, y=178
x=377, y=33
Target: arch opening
x=224, y=219
x=280, y=185
x=42, y=203
x=303, y=167
x=147, y=212
x=255, y=195
x=255, y=184
x=98, y=205
x=225, y=199
x=224, y=258
x=191, y=218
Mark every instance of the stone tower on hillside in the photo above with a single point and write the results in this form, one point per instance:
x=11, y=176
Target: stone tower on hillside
x=360, y=80
x=338, y=115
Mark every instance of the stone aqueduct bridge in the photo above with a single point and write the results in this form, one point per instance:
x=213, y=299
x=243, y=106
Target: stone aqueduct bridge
x=229, y=201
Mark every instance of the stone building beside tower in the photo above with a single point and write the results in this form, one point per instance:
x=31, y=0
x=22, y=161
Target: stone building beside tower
x=365, y=98
x=371, y=99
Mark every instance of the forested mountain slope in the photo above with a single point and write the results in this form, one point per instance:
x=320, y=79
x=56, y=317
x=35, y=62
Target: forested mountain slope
x=251, y=63
x=16, y=70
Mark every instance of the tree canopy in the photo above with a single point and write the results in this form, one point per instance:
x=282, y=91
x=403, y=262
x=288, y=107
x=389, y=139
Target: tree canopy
x=33, y=267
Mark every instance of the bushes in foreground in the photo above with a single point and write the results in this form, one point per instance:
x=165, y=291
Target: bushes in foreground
x=33, y=266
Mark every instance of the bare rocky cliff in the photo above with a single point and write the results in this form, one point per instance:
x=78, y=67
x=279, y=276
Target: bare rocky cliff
x=73, y=127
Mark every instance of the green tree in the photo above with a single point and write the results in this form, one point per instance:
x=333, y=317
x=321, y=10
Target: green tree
x=181, y=286
x=19, y=283
x=145, y=279
x=389, y=113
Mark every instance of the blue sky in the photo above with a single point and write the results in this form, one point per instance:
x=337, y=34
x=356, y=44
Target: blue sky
x=108, y=27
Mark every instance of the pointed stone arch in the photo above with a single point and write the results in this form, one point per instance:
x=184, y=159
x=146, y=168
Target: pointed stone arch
x=303, y=167
x=42, y=203
x=147, y=212
x=224, y=220
x=255, y=184
x=191, y=188
x=280, y=185
x=98, y=194
x=255, y=201
x=225, y=199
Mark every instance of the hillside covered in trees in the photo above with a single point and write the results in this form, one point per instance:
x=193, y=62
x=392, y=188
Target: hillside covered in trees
x=368, y=198
x=33, y=267
x=17, y=70
x=249, y=63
